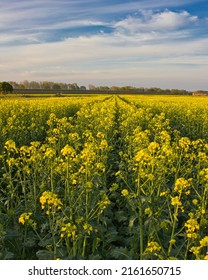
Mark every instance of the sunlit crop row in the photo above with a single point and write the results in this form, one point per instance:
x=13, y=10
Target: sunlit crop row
x=24, y=120
x=164, y=178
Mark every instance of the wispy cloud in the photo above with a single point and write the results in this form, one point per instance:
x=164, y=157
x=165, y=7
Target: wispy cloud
x=160, y=21
x=100, y=42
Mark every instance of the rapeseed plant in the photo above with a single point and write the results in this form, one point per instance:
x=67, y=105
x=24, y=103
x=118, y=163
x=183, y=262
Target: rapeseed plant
x=80, y=172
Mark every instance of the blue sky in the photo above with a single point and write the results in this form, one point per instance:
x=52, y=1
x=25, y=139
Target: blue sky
x=148, y=43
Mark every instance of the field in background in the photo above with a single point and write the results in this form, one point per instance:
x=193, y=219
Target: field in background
x=104, y=177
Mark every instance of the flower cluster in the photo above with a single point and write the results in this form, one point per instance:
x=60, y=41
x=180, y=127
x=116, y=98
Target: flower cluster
x=68, y=230
x=24, y=218
x=87, y=228
x=184, y=143
x=50, y=201
x=182, y=184
x=192, y=226
x=204, y=176
x=196, y=250
x=68, y=151
x=104, y=202
x=153, y=246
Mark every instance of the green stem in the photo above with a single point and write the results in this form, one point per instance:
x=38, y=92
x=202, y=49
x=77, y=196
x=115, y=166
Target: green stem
x=25, y=237
x=51, y=223
x=52, y=186
x=173, y=228
x=84, y=246
x=140, y=230
x=140, y=219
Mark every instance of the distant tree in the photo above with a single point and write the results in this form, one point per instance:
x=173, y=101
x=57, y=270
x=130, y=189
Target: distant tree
x=34, y=85
x=14, y=84
x=128, y=88
x=45, y=85
x=115, y=88
x=56, y=86
x=179, y=91
x=63, y=86
x=75, y=86
x=21, y=86
x=83, y=88
x=92, y=87
x=104, y=88
x=141, y=89
x=6, y=87
x=26, y=83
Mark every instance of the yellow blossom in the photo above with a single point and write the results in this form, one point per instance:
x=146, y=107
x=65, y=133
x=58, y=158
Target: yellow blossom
x=172, y=241
x=164, y=193
x=68, y=230
x=153, y=147
x=51, y=201
x=184, y=143
x=50, y=153
x=204, y=242
x=148, y=211
x=195, y=201
x=104, y=202
x=175, y=201
x=68, y=151
x=206, y=256
x=152, y=247
x=125, y=192
x=10, y=146
x=181, y=184
x=88, y=228
x=192, y=226
x=24, y=217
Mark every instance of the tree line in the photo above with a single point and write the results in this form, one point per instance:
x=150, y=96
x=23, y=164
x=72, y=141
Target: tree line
x=7, y=87
x=46, y=85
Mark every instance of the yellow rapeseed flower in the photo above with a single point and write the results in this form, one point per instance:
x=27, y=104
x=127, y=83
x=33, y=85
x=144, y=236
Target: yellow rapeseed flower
x=24, y=217
x=50, y=153
x=206, y=256
x=152, y=247
x=74, y=182
x=68, y=151
x=68, y=230
x=88, y=228
x=204, y=242
x=184, y=143
x=10, y=145
x=181, y=184
x=175, y=201
x=50, y=200
x=125, y=192
x=192, y=226
x=153, y=147
x=195, y=201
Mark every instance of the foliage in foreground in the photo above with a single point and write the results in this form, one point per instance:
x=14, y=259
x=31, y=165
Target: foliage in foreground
x=105, y=179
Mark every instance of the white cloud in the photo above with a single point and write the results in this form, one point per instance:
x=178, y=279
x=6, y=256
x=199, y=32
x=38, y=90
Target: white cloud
x=104, y=59
x=147, y=48
x=161, y=21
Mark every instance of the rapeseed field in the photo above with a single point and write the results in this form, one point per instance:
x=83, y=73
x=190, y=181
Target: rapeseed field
x=104, y=177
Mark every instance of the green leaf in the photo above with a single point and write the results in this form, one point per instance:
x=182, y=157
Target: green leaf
x=131, y=222
x=44, y=255
x=121, y=216
x=46, y=242
x=121, y=253
x=8, y=256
